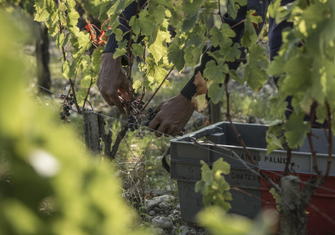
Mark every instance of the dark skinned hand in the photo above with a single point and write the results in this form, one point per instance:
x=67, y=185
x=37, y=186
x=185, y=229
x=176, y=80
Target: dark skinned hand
x=112, y=81
x=173, y=114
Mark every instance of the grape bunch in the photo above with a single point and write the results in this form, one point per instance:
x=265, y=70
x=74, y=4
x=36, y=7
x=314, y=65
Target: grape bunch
x=66, y=107
x=134, y=119
x=133, y=122
x=151, y=116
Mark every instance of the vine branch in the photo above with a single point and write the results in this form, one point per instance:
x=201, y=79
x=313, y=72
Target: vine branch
x=239, y=138
x=222, y=20
x=289, y=156
x=88, y=92
x=330, y=142
x=153, y=95
x=309, y=135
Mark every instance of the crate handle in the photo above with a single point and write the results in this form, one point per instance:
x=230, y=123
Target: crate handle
x=164, y=162
x=206, y=132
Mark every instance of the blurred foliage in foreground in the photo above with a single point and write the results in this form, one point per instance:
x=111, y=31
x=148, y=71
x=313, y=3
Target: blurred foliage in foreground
x=222, y=223
x=42, y=167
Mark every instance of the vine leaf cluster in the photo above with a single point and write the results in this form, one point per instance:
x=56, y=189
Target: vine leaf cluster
x=213, y=186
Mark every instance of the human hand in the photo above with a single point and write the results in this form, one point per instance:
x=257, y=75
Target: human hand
x=173, y=114
x=112, y=80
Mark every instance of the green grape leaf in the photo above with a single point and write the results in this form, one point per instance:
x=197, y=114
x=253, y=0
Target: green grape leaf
x=225, y=45
x=84, y=64
x=42, y=10
x=321, y=113
x=298, y=74
x=189, y=22
x=273, y=142
x=242, y=2
x=206, y=173
x=166, y=3
x=118, y=6
x=137, y=49
x=219, y=201
x=216, y=36
x=220, y=167
x=83, y=39
x=215, y=72
x=319, y=29
x=68, y=70
x=118, y=34
x=210, y=5
x=216, y=93
x=249, y=37
x=96, y=61
x=119, y=52
x=232, y=9
x=143, y=24
x=254, y=72
x=273, y=8
x=296, y=130
x=207, y=200
x=201, y=187
x=223, y=184
x=176, y=56
x=104, y=7
x=192, y=7
x=233, y=53
x=195, y=40
x=277, y=198
x=72, y=17
x=233, y=74
x=137, y=85
x=80, y=96
x=61, y=41
x=227, y=196
x=277, y=66
x=155, y=71
x=227, y=31
x=158, y=48
x=192, y=55
x=52, y=23
x=278, y=105
x=77, y=54
x=86, y=82
x=214, y=55
x=158, y=11
x=74, y=42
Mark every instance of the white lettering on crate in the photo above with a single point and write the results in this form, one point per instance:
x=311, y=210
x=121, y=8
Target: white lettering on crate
x=259, y=158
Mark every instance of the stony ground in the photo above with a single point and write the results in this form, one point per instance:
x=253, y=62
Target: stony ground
x=164, y=216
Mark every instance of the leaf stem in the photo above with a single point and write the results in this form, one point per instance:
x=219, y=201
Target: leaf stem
x=237, y=24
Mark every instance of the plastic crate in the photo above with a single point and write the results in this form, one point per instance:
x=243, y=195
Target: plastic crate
x=185, y=167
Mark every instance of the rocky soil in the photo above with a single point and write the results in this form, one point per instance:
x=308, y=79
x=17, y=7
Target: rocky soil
x=162, y=216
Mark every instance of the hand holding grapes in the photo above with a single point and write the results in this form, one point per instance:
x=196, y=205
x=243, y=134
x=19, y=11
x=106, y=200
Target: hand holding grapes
x=112, y=80
x=173, y=114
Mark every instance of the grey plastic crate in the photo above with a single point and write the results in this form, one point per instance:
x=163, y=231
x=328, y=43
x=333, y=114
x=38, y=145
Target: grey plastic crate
x=186, y=168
